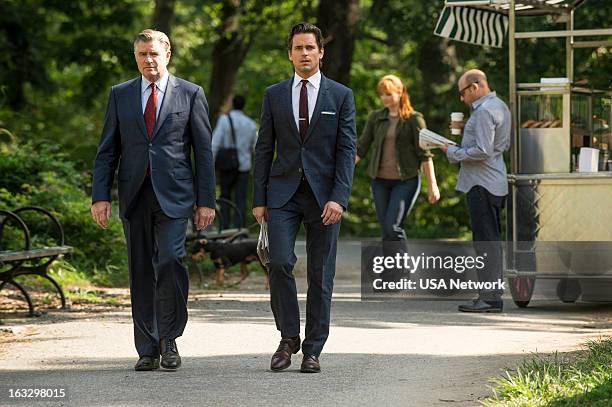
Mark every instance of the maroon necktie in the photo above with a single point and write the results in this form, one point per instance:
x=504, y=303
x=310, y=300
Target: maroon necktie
x=303, y=116
x=151, y=110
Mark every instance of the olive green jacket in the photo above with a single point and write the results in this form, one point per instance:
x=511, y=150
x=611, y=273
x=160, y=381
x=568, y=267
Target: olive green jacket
x=408, y=153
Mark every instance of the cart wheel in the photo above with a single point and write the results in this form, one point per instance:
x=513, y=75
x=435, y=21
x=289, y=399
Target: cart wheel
x=568, y=290
x=521, y=289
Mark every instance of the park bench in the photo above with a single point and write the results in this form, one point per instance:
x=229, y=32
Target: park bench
x=31, y=239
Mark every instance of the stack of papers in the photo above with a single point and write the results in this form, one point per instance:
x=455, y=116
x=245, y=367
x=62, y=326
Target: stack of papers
x=428, y=140
x=263, y=246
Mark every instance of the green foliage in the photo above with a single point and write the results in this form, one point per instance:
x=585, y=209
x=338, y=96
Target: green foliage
x=63, y=56
x=37, y=174
x=581, y=379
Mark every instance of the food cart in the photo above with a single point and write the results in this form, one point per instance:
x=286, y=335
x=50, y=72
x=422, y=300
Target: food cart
x=559, y=220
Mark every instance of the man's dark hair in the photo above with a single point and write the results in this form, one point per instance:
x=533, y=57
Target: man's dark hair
x=305, y=28
x=238, y=102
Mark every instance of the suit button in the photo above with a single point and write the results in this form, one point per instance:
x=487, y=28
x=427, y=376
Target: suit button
x=150, y=144
x=303, y=149
x=299, y=170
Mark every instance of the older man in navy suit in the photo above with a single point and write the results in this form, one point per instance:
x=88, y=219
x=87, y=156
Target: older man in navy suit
x=152, y=125
x=309, y=121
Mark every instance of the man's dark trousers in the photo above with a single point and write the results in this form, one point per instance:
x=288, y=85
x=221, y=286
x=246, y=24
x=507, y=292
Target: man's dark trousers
x=159, y=281
x=485, y=218
x=321, y=242
x=237, y=181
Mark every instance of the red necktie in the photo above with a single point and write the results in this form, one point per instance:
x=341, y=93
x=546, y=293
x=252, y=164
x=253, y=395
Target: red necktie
x=303, y=114
x=151, y=110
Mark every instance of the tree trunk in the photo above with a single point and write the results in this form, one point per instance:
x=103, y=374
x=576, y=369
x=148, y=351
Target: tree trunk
x=163, y=16
x=228, y=55
x=338, y=20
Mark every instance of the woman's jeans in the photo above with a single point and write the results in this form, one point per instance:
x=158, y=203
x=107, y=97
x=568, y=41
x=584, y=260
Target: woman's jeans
x=394, y=200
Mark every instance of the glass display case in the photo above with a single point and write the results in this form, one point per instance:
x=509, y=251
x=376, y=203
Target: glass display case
x=544, y=128
x=591, y=112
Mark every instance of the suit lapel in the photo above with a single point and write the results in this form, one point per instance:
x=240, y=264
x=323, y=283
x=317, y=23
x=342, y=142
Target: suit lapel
x=166, y=106
x=318, y=107
x=289, y=109
x=136, y=98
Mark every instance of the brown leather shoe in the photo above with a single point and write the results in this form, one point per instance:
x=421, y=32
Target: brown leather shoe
x=310, y=364
x=282, y=357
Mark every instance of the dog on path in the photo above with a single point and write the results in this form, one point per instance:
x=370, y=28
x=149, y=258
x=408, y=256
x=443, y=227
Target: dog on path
x=226, y=254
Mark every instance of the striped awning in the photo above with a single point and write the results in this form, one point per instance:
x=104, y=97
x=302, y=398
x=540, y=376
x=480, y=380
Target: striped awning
x=474, y=26
x=485, y=22
x=521, y=7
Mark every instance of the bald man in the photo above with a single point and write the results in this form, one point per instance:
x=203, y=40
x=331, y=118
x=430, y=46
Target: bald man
x=482, y=177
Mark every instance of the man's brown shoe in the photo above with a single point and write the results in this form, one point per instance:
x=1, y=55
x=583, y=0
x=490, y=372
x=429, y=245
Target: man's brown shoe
x=310, y=364
x=282, y=357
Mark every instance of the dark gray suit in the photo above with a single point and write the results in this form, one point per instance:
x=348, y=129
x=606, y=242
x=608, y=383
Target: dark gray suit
x=295, y=187
x=154, y=209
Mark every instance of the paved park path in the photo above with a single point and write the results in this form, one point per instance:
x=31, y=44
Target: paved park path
x=412, y=353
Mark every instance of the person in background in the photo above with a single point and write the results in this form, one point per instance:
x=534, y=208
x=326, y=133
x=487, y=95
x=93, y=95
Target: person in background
x=244, y=132
x=483, y=178
x=393, y=134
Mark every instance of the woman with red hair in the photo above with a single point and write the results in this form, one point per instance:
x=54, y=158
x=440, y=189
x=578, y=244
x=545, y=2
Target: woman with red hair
x=393, y=134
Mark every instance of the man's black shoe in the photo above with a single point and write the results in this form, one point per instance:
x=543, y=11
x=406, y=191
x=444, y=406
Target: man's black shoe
x=482, y=306
x=146, y=363
x=170, y=358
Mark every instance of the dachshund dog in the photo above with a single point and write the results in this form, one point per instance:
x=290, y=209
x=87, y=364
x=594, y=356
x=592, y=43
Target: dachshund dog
x=225, y=254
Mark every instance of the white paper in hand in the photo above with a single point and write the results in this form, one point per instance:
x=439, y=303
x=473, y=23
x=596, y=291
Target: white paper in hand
x=263, y=246
x=428, y=140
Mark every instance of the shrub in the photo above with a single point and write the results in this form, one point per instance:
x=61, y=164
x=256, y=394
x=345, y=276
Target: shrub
x=38, y=174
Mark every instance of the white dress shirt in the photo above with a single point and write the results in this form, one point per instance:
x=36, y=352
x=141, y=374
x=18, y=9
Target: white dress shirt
x=145, y=91
x=314, y=82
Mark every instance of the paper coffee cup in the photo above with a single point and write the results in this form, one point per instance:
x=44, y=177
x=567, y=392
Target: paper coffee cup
x=456, y=117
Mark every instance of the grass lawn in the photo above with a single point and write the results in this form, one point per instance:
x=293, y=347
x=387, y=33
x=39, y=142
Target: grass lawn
x=582, y=378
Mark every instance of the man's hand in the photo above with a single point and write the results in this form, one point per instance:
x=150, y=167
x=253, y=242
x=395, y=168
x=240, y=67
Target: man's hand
x=332, y=212
x=433, y=194
x=203, y=217
x=101, y=213
x=444, y=148
x=357, y=159
x=260, y=213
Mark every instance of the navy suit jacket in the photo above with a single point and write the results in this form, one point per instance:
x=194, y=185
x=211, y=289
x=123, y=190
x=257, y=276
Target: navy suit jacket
x=182, y=126
x=326, y=157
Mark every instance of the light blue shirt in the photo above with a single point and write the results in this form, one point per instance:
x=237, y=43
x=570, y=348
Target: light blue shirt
x=486, y=136
x=145, y=92
x=245, y=131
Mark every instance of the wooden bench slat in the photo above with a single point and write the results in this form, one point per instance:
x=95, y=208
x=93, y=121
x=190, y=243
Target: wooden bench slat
x=218, y=235
x=34, y=253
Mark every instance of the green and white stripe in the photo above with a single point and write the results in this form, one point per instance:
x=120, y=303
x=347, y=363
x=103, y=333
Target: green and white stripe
x=471, y=25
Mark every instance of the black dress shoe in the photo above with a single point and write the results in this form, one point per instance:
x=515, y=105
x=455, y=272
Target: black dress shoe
x=482, y=306
x=310, y=364
x=282, y=357
x=170, y=358
x=147, y=363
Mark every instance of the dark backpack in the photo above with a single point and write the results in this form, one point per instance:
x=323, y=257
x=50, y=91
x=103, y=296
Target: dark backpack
x=227, y=157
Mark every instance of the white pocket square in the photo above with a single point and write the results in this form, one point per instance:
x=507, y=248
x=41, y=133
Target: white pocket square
x=329, y=113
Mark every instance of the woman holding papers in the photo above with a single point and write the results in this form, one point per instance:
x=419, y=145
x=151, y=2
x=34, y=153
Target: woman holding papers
x=393, y=134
